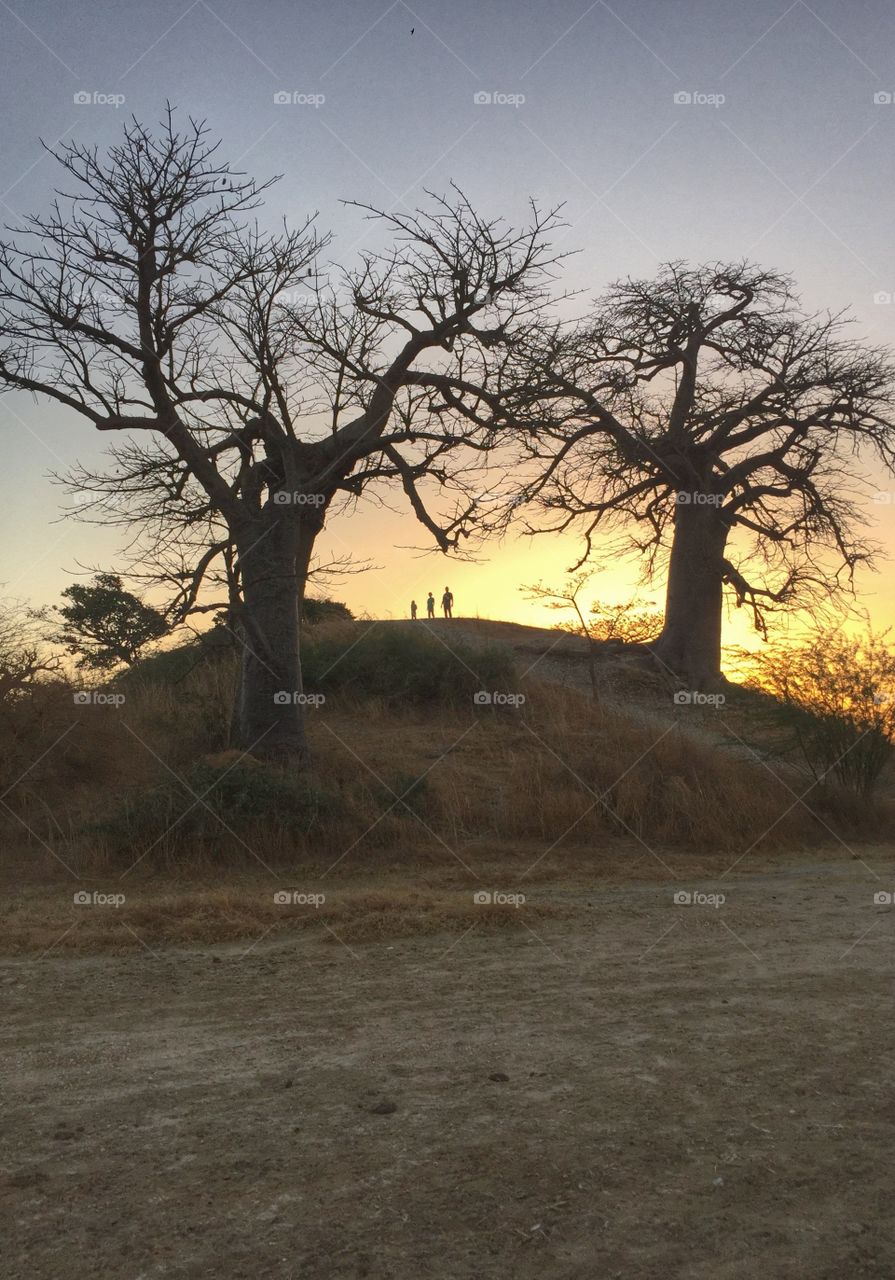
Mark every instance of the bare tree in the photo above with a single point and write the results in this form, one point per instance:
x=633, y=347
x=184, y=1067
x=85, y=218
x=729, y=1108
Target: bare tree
x=145, y=302
x=565, y=598
x=25, y=660
x=704, y=415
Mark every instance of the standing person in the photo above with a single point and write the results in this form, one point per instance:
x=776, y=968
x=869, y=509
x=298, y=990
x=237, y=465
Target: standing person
x=430, y=605
x=413, y=609
x=447, y=603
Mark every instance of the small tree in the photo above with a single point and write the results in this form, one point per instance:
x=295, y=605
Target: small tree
x=628, y=623
x=566, y=598
x=24, y=660
x=834, y=704
x=104, y=625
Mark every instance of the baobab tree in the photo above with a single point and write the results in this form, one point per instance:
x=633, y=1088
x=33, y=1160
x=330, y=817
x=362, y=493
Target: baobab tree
x=256, y=390
x=704, y=415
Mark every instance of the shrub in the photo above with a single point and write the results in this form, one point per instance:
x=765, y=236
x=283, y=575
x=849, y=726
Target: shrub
x=832, y=704
x=315, y=611
x=239, y=796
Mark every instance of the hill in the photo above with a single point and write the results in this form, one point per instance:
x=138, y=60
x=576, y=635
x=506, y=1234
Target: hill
x=443, y=755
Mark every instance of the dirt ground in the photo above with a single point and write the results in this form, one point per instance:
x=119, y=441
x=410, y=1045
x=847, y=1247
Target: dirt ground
x=639, y=1089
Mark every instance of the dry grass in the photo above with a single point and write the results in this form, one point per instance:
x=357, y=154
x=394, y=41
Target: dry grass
x=45, y=919
x=555, y=788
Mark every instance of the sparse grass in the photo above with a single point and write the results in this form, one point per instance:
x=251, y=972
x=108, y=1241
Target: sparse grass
x=46, y=919
x=400, y=786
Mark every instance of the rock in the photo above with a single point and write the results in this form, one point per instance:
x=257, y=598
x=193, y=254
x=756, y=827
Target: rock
x=384, y=1108
x=499, y=1076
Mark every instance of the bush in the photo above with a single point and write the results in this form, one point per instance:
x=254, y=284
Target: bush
x=832, y=704
x=315, y=611
x=239, y=796
x=402, y=665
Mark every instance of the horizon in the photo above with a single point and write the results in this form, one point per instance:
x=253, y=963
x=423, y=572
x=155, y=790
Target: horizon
x=734, y=183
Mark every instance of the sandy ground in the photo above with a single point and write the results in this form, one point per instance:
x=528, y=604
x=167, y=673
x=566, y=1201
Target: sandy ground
x=643, y=1089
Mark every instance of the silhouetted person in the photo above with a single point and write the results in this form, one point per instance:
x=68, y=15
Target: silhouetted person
x=447, y=603
x=413, y=609
x=430, y=605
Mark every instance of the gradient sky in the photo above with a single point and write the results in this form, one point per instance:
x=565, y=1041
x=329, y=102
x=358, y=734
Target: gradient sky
x=794, y=169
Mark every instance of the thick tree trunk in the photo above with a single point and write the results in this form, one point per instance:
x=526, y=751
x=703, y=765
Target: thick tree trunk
x=690, y=643
x=273, y=560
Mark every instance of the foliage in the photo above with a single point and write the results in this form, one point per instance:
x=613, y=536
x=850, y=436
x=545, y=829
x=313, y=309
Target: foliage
x=104, y=625
x=321, y=610
x=626, y=623
x=833, y=704
x=236, y=793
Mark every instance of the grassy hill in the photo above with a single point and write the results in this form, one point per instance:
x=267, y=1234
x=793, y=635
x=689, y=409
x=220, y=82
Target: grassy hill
x=444, y=756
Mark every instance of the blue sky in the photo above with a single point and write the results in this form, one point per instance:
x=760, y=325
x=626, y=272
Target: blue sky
x=783, y=154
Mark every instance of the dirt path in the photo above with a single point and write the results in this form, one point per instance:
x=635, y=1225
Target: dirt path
x=650, y=1091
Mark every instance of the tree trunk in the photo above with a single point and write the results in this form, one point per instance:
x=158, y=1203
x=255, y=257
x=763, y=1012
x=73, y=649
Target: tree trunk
x=273, y=561
x=690, y=643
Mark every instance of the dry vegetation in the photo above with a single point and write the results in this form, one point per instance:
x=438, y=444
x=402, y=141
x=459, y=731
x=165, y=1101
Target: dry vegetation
x=411, y=804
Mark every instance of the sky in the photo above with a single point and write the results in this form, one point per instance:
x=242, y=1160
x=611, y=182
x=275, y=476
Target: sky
x=667, y=128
